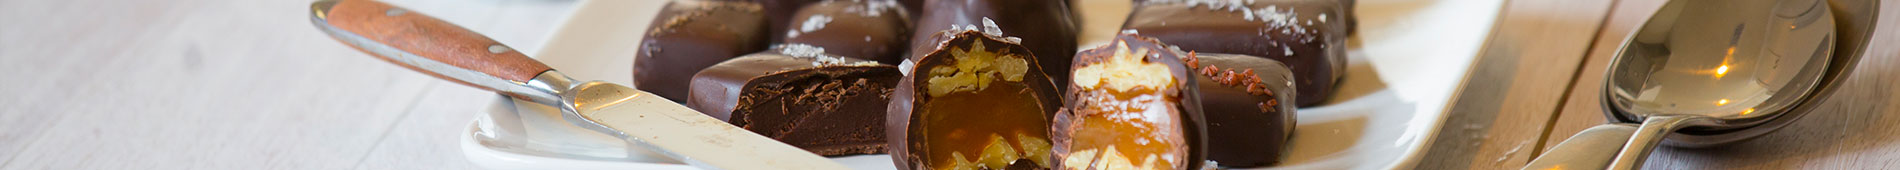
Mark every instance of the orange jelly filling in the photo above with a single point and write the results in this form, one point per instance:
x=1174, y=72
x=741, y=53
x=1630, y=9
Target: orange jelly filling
x=1135, y=129
x=984, y=129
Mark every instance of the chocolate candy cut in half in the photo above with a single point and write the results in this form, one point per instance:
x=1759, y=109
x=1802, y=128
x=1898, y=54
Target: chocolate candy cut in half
x=1309, y=36
x=1247, y=126
x=824, y=104
x=1047, y=27
x=692, y=35
x=977, y=101
x=1132, y=105
x=877, y=30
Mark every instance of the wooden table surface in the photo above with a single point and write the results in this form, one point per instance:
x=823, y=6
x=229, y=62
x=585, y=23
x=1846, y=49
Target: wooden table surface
x=242, y=84
x=231, y=84
x=1539, y=80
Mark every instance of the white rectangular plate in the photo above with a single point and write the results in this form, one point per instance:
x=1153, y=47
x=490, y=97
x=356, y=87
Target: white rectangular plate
x=1406, y=62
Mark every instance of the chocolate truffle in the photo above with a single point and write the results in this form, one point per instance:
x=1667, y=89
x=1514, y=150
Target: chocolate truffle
x=1352, y=18
x=1132, y=105
x=691, y=35
x=1352, y=23
x=1240, y=96
x=977, y=102
x=913, y=5
x=1305, y=34
x=824, y=104
x=877, y=30
x=778, y=15
x=918, y=5
x=1047, y=27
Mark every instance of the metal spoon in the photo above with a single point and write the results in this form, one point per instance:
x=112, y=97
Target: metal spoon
x=1708, y=66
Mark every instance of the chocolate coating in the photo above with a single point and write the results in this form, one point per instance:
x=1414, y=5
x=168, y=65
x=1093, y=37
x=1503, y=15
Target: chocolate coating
x=913, y=5
x=1132, y=100
x=1047, y=27
x=827, y=105
x=1240, y=95
x=876, y=30
x=1305, y=34
x=691, y=35
x=778, y=15
x=918, y=5
x=1352, y=17
x=1352, y=23
x=906, y=126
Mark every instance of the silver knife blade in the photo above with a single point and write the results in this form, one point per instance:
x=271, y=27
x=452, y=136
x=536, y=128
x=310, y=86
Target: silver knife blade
x=679, y=132
x=450, y=52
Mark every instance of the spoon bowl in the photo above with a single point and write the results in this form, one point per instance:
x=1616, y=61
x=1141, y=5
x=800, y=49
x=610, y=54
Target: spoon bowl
x=1854, y=21
x=1709, y=66
x=1736, y=63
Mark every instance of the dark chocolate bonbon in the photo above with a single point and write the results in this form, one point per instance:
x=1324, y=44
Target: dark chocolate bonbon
x=1133, y=104
x=798, y=95
x=1308, y=35
x=1247, y=126
x=977, y=101
x=692, y=35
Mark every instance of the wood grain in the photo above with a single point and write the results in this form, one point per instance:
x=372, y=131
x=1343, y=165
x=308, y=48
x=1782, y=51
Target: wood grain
x=238, y=84
x=166, y=85
x=1854, y=129
x=433, y=39
x=229, y=84
x=429, y=136
x=1499, y=117
x=1582, y=108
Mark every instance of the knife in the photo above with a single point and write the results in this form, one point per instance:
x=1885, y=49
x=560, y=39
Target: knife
x=431, y=46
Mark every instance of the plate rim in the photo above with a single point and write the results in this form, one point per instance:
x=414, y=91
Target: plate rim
x=1411, y=159
x=480, y=154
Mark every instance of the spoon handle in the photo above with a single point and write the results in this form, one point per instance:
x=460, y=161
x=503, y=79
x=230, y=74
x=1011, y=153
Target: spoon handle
x=1637, y=148
x=1618, y=146
x=1593, y=148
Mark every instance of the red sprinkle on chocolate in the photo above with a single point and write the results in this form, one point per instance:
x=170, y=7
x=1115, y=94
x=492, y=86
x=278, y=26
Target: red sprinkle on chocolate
x=1244, y=79
x=1191, y=60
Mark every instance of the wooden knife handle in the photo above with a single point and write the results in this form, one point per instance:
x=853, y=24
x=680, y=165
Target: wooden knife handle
x=425, y=44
